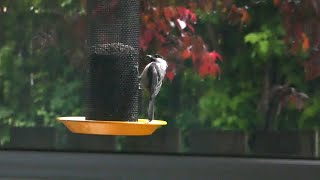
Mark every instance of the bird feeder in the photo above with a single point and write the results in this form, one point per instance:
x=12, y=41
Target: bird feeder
x=112, y=97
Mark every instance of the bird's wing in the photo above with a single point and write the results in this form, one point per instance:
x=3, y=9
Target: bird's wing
x=154, y=89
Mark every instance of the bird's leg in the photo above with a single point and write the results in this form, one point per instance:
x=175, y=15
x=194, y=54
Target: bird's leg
x=151, y=109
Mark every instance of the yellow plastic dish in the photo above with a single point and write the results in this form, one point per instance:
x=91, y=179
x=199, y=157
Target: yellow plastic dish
x=79, y=124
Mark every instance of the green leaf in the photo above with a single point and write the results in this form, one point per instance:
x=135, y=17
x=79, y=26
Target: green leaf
x=65, y=3
x=252, y=38
x=264, y=47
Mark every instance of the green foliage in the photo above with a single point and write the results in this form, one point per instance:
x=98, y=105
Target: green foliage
x=309, y=117
x=266, y=43
x=37, y=85
x=224, y=111
x=192, y=88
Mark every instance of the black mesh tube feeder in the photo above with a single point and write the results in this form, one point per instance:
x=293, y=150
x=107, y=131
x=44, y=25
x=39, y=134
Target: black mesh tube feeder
x=112, y=97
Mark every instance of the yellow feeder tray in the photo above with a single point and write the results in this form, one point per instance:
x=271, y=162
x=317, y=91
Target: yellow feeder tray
x=79, y=124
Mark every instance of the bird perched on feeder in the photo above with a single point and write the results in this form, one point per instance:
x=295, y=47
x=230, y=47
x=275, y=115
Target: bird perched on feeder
x=151, y=79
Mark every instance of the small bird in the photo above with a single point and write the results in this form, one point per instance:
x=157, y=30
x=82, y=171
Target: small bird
x=151, y=79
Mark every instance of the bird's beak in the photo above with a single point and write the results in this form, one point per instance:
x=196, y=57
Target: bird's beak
x=151, y=57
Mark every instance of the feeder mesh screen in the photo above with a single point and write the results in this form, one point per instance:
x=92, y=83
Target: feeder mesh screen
x=113, y=42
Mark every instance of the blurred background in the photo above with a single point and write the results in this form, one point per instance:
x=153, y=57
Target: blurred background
x=242, y=77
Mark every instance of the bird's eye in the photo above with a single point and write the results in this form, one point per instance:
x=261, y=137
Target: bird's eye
x=158, y=56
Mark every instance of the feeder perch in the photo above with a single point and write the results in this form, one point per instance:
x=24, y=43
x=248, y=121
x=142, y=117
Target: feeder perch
x=112, y=97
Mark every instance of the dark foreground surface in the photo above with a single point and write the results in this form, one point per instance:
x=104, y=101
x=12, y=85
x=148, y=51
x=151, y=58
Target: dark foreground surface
x=60, y=165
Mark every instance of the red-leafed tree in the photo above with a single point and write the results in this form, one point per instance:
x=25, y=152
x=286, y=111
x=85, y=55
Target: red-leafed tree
x=301, y=20
x=170, y=30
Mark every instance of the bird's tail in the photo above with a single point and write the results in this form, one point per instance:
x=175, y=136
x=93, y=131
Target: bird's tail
x=151, y=109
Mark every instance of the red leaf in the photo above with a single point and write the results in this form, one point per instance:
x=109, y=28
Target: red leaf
x=209, y=66
x=186, y=39
x=151, y=26
x=171, y=72
x=182, y=11
x=203, y=71
x=169, y=13
x=215, y=70
x=244, y=16
x=148, y=36
x=143, y=45
x=145, y=18
x=198, y=48
x=163, y=26
x=214, y=55
x=160, y=37
x=187, y=14
x=191, y=28
x=170, y=75
x=305, y=42
x=163, y=51
x=186, y=53
x=276, y=2
x=156, y=14
x=193, y=17
x=145, y=39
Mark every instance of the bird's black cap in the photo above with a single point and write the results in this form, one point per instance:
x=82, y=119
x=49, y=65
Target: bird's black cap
x=153, y=57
